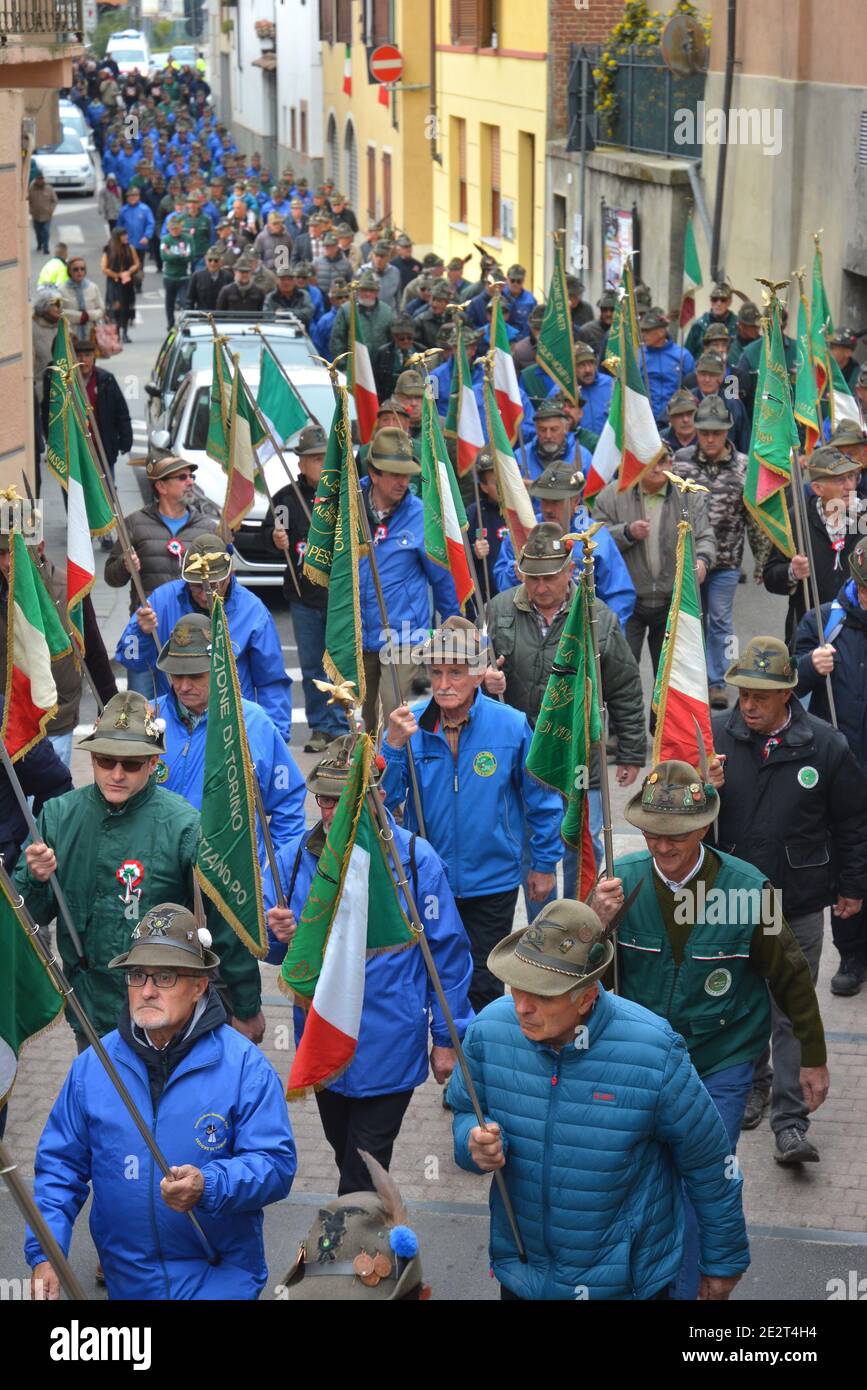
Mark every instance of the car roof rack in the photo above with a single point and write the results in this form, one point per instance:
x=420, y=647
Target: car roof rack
x=200, y=316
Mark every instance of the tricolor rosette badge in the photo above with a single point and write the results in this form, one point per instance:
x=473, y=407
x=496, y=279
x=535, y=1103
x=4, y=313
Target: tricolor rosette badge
x=130, y=875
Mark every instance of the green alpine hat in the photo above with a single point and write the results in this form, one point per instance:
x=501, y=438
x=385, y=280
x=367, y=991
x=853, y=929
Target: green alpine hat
x=409, y=383
x=765, y=664
x=717, y=332
x=584, y=353
x=559, y=481
x=750, y=313
x=843, y=337
x=390, y=406
x=654, y=317
x=673, y=801
x=711, y=362
x=157, y=469
x=484, y=461
x=188, y=650
x=207, y=551
x=858, y=563
x=848, y=435
x=330, y=774
x=368, y=280
x=168, y=937
x=829, y=462
x=127, y=728
x=545, y=551
x=682, y=403
x=458, y=641
x=516, y=272
x=536, y=316
x=552, y=409
x=360, y=1249
x=311, y=440
x=391, y=452
x=563, y=949
x=721, y=290
x=712, y=414
x=607, y=300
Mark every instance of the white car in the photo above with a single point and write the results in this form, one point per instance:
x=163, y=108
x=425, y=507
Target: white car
x=186, y=435
x=129, y=49
x=72, y=118
x=68, y=166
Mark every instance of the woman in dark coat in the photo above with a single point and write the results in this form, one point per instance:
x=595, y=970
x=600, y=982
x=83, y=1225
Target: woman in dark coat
x=120, y=264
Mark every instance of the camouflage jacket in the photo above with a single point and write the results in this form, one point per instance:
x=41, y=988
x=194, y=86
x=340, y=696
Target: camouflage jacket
x=726, y=510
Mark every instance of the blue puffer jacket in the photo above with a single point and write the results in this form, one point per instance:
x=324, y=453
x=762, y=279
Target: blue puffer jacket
x=283, y=789
x=255, y=642
x=536, y=464
x=147, y=1250
x=405, y=573
x=613, y=583
x=664, y=375
x=480, y=801
x=400, y=1008
x=597, y=398
x=138, y=220
x=597, y=1140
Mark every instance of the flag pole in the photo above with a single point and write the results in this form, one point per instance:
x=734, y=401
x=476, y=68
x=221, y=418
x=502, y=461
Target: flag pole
x=49, y=959
x=383, y=614
x=36, y=1221
x=24, y=807
x=386, y=834
x=589, y=545
x=236, y=360
x=802, y=526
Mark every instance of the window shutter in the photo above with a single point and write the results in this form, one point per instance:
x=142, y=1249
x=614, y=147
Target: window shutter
x=495, y=158
x=381, y=21
x=465, y=22
x=344, y=21
x=326, y=21
x=386, y=186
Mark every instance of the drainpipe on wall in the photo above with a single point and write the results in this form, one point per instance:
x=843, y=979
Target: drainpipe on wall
x=433, y=117
x=715, y=269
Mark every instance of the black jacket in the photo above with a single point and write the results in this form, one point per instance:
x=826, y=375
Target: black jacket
x=801, y=815
x=203, y=289
x=299, y=303
x=112, y=416
x=302, y=248
x=831, y=570
x=387, y=364
x=232, y=298
x=297, y=525
x=495, y=528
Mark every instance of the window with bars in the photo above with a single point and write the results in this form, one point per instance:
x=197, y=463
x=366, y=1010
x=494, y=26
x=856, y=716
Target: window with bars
x=371, y=182
x=331, y=143
x=326, y=21
x=472, y=23
x=380, y=20
x=344, y=21
x=386, y=185
x=862, y=139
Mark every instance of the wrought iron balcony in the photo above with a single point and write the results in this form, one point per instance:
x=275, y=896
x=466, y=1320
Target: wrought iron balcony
x=34, y=19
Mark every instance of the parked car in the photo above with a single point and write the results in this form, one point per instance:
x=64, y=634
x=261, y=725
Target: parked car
x=189, y=347
x=186, y=434
x=71, y=117
x=68, y=166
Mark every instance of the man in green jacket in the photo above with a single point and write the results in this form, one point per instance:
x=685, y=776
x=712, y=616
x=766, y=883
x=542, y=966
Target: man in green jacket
x=525, y=626
x=702, y=945
x=375, y=318
x=197, y=229
x=175, y=250
x=120, y=847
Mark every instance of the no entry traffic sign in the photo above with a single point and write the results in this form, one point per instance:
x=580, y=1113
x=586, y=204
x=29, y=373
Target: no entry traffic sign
x=386, y=63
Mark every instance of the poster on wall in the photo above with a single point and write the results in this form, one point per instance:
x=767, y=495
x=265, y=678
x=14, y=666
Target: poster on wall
x=617, y=243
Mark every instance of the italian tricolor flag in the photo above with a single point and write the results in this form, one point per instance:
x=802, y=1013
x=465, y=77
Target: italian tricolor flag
x=692, y=280
x=630, y=440
x=463, y=422
x=352, y=913
x=680, y=693
x=246, y=436
x=35, y=637
x=843, y=404
x=515, y=504
x=89, y=513
x=347, y=70
x=445, y=521
x=361, y=375
x=506, y=387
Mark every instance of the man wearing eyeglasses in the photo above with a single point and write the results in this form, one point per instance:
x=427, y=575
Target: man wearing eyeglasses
x=223, y=1128
x=160, y=534
x=119, y=846
x=720, y=311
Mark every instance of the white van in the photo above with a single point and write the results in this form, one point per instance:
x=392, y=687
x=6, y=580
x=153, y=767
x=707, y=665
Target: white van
x=129, y=49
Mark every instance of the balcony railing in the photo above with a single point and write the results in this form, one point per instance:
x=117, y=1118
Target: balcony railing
x=41, y=19
x=655, y=111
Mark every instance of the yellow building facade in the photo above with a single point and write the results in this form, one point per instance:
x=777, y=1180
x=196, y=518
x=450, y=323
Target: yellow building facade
x=491, y=92
x=379, y=155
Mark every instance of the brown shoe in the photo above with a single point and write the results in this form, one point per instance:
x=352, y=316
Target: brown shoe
x=718, y=697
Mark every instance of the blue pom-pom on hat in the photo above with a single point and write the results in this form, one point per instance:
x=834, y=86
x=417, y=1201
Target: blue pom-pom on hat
x=404, y=1242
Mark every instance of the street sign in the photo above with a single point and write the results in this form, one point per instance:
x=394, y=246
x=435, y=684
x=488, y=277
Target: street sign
x=386, y=63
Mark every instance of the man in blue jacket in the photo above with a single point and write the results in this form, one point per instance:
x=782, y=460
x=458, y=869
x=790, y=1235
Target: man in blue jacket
x=519, y=300
x=557, y=497
x=665, y=363
x=396, y=520
x=186, y=660
x=223, y=1128
x=138, y=220
x=255, y=640
x=596, y=1115
x=364, y=1108
x=470, y=758
x=554, y=442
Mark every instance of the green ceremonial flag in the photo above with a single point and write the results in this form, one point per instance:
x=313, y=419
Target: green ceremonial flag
x=29, y=1001
x=555, y=352
x=692, y=280
x=806, y=411
x=570, y=720
x=64, y=373
x=773, y=437
x=821, y=323
x=354, y=859
x=335, y=546
x=217, y=443
x=227, y=867
x=278, y=403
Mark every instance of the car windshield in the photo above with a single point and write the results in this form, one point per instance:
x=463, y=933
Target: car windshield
x=318, y=400
x=70, y=144
x=183, y=55
x=129, y=55
x=196, y=354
